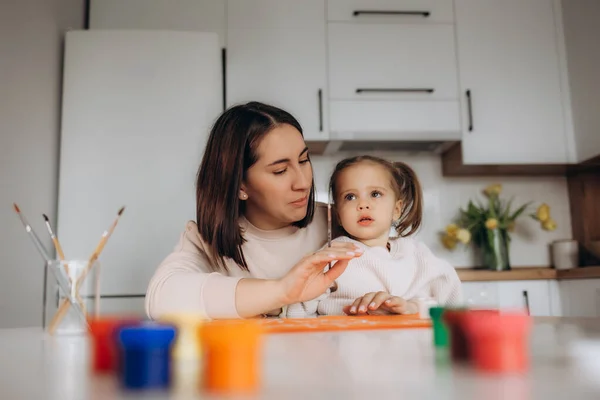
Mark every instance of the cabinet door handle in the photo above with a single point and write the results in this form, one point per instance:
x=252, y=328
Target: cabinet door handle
x=395, y=90
x=320, y=95
x=526, y=299
x=423, y=14
x=470, y=109
x=224, y=77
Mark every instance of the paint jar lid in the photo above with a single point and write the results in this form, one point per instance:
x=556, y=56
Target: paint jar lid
x=497, y=323
x=436, y=312
x=226, y=332
x=106, y=325
x=148, y=335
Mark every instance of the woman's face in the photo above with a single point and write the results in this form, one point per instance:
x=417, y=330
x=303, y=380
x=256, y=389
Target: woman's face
x=277, y=186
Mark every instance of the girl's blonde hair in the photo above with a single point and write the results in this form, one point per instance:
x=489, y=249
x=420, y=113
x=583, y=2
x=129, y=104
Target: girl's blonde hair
x=405, y=184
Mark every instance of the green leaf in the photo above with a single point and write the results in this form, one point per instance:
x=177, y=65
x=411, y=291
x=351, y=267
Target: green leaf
x=506, y=212
x=519, y=211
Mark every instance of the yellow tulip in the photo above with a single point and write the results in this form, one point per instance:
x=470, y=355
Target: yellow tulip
x=449, y=242
x=549, y=224
x=543, y=212
x=464, y=236
x=491, y=223
x=494, y=189
x=452, y=230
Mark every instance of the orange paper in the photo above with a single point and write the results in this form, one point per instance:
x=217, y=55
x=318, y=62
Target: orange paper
x=344, y=323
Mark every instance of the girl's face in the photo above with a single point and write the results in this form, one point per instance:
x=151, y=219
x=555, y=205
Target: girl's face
x=366, y=203
x=277, y=186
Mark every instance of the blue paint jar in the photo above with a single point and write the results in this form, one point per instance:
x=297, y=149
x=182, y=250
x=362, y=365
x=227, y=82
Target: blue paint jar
x=145, y=356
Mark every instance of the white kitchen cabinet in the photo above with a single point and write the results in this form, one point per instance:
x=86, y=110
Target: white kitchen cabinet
x=276, y=53
x=481, y=294
x=398, y=81
x=392, y=62
x=536, y=296
x=532, y=296
x=513, y=82
x=580, y=298
x=390, y=11
x=192, y=15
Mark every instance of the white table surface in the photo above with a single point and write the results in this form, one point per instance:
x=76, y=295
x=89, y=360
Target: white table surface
x=399, y=364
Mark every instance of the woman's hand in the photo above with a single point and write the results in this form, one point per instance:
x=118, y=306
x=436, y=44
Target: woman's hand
x=381, y=303
x=308, y=279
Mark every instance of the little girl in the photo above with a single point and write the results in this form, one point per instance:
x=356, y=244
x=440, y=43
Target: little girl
x=394, y=275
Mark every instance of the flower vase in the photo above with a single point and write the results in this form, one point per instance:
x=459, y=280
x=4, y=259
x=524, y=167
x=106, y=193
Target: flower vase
x=495, y=250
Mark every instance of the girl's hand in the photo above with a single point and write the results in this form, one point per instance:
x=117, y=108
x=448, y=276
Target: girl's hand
x=381, y=303
x=308, y=279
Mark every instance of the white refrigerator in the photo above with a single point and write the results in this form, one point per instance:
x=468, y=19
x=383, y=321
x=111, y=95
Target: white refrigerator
x=137, y=108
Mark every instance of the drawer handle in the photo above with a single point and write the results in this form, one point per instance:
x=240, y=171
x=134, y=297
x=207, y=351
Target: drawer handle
x=320, y=93
x=526, y=298
x=423, y=14
x=395, y=90
x=470, y=109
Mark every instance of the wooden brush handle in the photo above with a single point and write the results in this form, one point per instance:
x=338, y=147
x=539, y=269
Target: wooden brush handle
x=60, y=314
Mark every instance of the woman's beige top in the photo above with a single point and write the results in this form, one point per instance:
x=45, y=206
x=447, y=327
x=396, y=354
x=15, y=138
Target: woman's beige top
x=185, y=283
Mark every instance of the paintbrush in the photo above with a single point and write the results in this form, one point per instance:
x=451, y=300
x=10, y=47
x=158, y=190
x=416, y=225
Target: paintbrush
x=36, y=240
x=43, y=252
x=329, y=229
x=57, y=246
x=329, y=223
x=105, y=236
x=61, y=279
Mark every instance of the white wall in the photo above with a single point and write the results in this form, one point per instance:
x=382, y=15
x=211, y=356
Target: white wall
x=30, y=79
x=582, y=32
x=444, y=196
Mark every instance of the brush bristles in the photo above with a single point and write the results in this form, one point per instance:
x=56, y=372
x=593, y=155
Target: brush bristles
x=17, y=209
x=121, y=211
x=46, y=218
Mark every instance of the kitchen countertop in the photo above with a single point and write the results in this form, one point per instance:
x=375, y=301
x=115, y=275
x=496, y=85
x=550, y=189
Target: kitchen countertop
x=527, y=273
x=341, y=365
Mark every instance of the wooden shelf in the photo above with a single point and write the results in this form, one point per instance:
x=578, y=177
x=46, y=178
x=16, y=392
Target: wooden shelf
x=515, y=274
x=527, y=273
x=579, y=273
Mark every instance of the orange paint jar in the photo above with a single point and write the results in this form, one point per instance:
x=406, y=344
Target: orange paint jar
x=232, y=355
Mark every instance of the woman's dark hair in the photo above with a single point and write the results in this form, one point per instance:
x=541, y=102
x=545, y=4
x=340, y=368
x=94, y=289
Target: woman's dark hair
x=230, y=150
x=405, y=184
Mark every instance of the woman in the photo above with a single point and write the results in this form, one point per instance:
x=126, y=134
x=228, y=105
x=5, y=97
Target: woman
x=253, y=248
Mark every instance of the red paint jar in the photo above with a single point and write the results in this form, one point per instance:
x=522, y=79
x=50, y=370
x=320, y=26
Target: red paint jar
x=460, y=349
x=498, y=341
x=103, y=332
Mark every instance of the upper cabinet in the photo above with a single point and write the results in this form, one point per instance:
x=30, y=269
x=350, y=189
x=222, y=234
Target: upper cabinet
x=500, y=76
x=192, y=15
x=276, y=53
x=390, y=11
x=392, y=69
x=514, y=92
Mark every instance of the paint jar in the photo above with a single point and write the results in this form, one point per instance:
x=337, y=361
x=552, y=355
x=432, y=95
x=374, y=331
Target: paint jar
x=440, y=330
x=146, y=356
x=499, y=341
x=103, y=333
x=232, y=356
x=455, y=319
